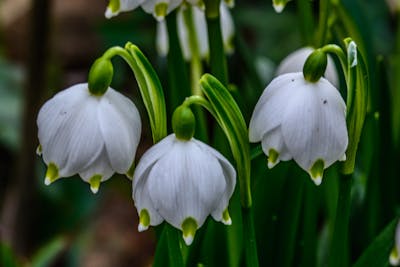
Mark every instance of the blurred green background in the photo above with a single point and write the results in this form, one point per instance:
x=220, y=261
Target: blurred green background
x=48, y=45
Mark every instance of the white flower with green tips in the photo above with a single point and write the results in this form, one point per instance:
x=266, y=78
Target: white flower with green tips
x=159, y=8
x=394, y=257
x=303, y=120
x=294, y=62
x=116, y=6
x=93, y=136
x=201, y=36
x=182, y=182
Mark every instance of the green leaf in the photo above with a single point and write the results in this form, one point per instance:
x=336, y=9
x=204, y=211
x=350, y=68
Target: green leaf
x=231, y=120
x=152, y=92
x=47, y=254
x=357, y=103
x=377, y=253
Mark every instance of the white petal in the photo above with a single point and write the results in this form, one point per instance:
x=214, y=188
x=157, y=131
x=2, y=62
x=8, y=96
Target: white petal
x=397, y=237
x=162, y=38
x=229, y=174
x=142, y=199
x=227, y=28
x=100, y=166
x=125, y=5
x=274, y=140
x=77, y=140
x=314, y=125
x=149, y=6
x=294, y=62
x=151, y=156
x=120, y=126
x=191, y=188
x=269, y=110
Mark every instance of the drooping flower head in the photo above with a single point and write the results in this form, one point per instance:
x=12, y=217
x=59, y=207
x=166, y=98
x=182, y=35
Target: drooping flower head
x=90, y=135
x=159, y=8
x=303, y=120
x=182, y=180
x=200, y=26
x=294, y=62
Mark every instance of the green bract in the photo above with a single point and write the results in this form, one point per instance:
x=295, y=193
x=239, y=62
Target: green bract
x=315, y=66
x=100, y=76
x=183, y=123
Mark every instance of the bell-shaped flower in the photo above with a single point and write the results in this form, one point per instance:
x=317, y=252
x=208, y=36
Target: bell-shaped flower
x=160, y=8
x=200, y=27
x=303, y=120
x=182, y=182
x=93, y=136
x=116, y=6
x=294, y=62
x=394, y=257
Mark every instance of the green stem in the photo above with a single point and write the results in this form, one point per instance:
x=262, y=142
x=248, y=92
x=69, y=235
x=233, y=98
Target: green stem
x=195, y=61
x=196, y=70
x=324, y=6
x=250, y=246
x=309, y=226
x=179, y=84
x=289, y=219
x=307, y=20
x=149, y=85
x=174, y=251
x=339, y=245
x=218, y=63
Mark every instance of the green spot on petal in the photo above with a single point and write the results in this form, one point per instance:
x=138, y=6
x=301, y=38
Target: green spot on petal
x=317, y=171
x=144, y=220
x=114, y=5
x=51, y=174
x=95, y=183
x=226, y=219
x=273, y=158
x=39, y=150
x=189, y=227
x=131, y=171
x=394, y=257
x=160, y=10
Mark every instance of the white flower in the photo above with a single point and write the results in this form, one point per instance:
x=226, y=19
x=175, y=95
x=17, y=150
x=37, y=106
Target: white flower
x=305, y=121
x=294, y=62
x=159, y=8
x=182, y=182
x=200, y=25
x=394, y=257
x=93, y=136
x=116, y=6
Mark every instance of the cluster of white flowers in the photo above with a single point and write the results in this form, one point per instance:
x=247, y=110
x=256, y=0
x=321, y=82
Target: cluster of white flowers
x=159, y=8
x=180, y=179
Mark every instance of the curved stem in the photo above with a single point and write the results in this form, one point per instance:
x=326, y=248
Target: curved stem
x=307, y=22
x=149, y=85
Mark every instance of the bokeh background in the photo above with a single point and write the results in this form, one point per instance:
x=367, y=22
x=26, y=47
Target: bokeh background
x=48, y=45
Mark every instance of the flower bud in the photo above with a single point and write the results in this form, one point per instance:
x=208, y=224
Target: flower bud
x=183, y=123
x=100, y=76
x=315, y=66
